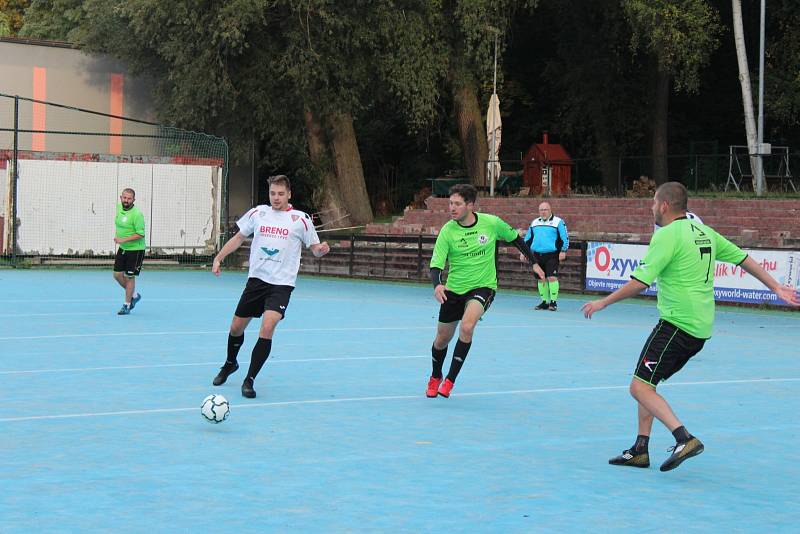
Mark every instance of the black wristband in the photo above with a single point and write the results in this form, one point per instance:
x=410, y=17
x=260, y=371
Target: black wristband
x=436, y=276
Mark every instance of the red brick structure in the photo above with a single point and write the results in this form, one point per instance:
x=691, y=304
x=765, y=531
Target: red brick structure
x=750, y=223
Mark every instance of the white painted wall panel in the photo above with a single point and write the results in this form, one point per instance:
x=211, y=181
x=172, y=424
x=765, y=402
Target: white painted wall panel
x=42, y=207
x=200, y=206
x=90, y=215
x=68, y=207
x=169, y=206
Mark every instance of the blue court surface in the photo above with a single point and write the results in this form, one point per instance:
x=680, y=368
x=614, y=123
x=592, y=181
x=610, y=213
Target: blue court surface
x=101, y=429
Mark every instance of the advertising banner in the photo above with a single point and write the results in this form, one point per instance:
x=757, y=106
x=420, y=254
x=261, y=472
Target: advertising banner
x=609, y=266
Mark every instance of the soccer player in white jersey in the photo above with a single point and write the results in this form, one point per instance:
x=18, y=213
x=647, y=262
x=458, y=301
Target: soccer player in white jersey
x=279, y=231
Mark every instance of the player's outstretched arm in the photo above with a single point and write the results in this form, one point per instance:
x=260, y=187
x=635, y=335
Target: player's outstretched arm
x=320, y=249
x=631, y=289
x=233, y=243
x=787, y=294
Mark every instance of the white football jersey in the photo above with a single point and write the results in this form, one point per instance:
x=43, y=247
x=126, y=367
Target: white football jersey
x=277, y=240
x=689, y=215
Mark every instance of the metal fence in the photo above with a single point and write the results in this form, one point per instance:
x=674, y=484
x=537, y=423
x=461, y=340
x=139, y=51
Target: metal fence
x=407, y=258
x=62, y=170
x=698, y=172
x=615, y=175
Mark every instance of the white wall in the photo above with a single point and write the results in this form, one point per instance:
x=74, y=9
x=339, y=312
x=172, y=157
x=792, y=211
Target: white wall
x=68, y=207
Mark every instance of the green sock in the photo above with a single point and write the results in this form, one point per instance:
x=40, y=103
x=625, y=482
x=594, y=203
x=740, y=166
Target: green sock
x=553, y=291
x=544, y=291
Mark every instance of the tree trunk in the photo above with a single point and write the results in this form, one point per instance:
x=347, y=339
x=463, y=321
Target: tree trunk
x=609, y=154
x=747, y=95
x=329, y=198
x=348, y=168
x=660, y=127
x=471, y=131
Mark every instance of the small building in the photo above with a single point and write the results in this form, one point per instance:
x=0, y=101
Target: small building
x=547, y=168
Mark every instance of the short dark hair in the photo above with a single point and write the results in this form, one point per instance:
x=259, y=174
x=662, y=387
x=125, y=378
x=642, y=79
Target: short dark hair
x=674, y=194
x=466, y=191
x=129, y=190
x=279, y=179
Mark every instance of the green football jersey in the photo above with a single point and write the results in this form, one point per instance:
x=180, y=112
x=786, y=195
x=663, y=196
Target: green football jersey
x=128, y=223
x=470, y=250
x=682, y=258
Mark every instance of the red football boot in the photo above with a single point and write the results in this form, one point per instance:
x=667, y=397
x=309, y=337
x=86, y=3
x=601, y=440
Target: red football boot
x=433, y=387
x=446, y=388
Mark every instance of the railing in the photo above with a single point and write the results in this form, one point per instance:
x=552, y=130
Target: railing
x=407, y=258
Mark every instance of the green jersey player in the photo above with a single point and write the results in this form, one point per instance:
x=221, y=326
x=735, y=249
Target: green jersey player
x=681, y=256
x=129, y=235
x=467, y=243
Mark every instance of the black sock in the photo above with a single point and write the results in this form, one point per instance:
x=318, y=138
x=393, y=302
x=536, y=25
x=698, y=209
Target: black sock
x=234, y=344
x=437, y=358
x=641, y=444
x=681, y=434
x=459, y=355
x=259, y=356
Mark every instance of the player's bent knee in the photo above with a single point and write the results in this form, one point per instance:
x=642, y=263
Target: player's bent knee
x=638, y=388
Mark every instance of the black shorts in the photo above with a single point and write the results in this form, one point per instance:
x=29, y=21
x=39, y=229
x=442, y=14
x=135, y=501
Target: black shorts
x=453, y=308
x=548, y=261
x=666, y=351
x=129, y=262
x=259, y=296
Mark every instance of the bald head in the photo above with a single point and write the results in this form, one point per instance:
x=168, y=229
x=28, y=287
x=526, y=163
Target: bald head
x=669, y=203
x=675, y=195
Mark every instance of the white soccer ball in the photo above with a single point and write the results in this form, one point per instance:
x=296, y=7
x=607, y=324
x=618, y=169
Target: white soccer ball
x=215, y=409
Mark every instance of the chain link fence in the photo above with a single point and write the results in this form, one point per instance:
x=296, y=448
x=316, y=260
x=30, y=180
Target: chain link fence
x=62, y=170
x=698, y=172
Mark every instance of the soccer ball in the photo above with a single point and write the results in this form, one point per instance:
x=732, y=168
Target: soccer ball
x=215, y=409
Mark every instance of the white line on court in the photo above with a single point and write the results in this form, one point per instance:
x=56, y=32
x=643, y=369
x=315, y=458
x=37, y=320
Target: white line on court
x=431, y=327
x=199, y=364
x=220, y=332
x=61, y=314
x=388, y=397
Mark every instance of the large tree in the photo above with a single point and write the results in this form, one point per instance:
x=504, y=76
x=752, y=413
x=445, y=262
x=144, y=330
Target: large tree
x=471, y=30
x=599, y=97
x=679, y=36
x=269, y=70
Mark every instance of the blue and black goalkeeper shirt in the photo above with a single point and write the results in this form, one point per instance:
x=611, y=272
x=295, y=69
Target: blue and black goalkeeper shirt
x=547, y=235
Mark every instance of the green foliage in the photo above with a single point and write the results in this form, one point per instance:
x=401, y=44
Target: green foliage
x=11, y=16
x=682, y=34
x=247, y=69
x=783, y=66
x=52, y=19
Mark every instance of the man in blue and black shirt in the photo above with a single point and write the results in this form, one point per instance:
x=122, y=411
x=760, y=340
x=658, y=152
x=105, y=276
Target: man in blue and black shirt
x=548, y=239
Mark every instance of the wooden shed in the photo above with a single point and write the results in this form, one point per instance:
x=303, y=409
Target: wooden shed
x=547, y=168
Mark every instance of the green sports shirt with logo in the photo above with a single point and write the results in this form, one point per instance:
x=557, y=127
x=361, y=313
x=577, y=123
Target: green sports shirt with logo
x=470, y=250
x=129, y=222
x=682, y=258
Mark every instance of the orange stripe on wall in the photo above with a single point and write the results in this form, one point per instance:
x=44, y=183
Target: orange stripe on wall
x=116, y=108
x=39, y=110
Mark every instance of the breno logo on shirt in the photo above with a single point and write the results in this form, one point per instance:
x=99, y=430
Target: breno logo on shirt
x=274, y=231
